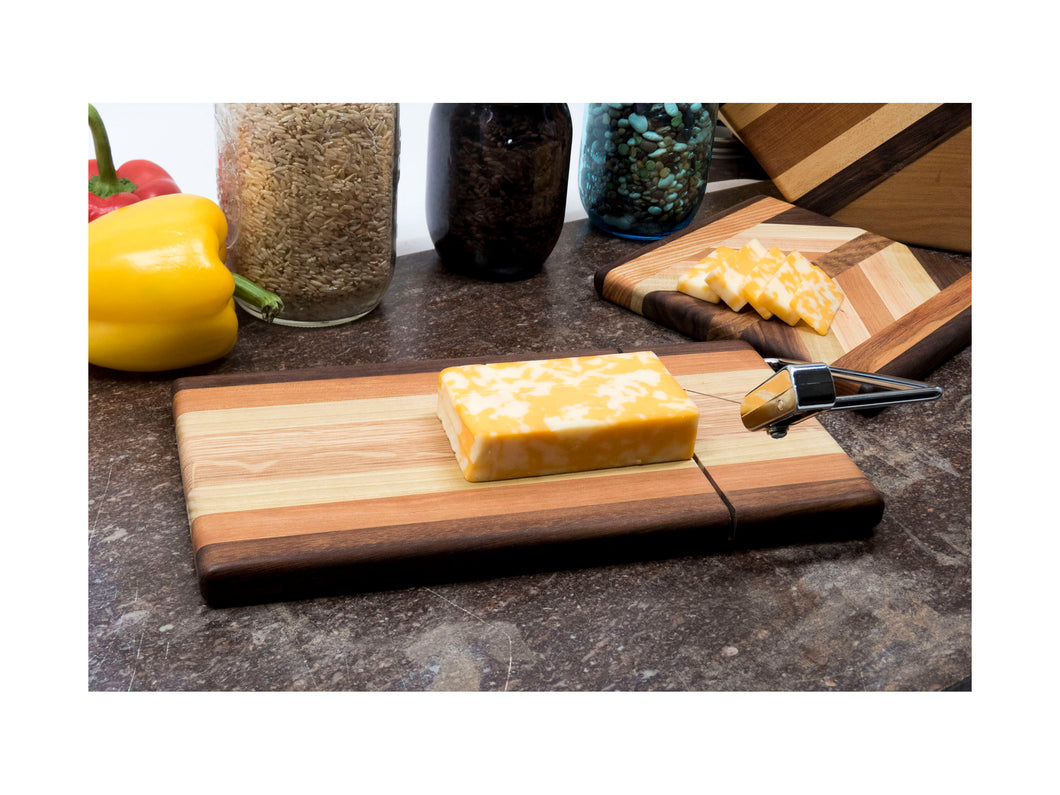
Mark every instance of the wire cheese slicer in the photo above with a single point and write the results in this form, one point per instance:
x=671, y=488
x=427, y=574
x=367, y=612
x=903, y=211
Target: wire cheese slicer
x=800, y=390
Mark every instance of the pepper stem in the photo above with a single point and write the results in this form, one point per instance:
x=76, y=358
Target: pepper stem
x=107, y=182
x=269, y=304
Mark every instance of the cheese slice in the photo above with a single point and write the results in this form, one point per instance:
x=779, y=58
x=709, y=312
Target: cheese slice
x=549, y=416
x=764, y=270
x=693, y=282
x=778, y=296
x=728, y=277
x=818, y=300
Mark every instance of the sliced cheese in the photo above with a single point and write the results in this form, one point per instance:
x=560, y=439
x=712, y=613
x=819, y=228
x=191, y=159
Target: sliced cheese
x=778, y=296
x=693, y=282
x=728, y=277
x=818, y=300
x=549, y=416
x=764, y=270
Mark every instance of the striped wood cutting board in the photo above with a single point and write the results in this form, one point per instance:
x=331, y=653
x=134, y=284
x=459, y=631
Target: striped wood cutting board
x=305, y=482
x=905, y=312
x=901, y=169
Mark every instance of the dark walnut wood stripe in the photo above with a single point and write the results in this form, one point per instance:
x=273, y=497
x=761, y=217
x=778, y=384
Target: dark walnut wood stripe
x=851, y=253
x=800, y=216
x=815, y=512
x=311, y=564
x=943, y=268
x=888, y=158
x=788, y=133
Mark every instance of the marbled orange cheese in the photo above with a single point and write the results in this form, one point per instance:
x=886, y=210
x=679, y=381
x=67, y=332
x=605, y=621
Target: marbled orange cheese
x=778, y=296
x=765, y=268
x=549, y=416
x=729, y=275
x=818, y=300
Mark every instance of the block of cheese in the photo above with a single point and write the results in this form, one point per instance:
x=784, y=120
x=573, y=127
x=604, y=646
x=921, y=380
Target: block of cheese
x=693, y=282
x=818, y=300
x=728, y=276
x=764, y=270
x=549, y=416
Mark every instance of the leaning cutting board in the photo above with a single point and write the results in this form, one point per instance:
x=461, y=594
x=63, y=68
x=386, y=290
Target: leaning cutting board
x=901, y=169
x=905, y=311
x=305, y=482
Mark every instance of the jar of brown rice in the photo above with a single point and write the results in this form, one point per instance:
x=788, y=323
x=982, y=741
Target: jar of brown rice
x=309, y=191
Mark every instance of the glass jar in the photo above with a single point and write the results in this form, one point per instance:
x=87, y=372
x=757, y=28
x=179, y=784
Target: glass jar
x=497, y=186
x=309, y=191
x=643, y=166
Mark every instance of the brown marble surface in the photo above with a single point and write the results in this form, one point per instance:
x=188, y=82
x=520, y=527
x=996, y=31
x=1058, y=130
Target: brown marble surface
x=887, y=612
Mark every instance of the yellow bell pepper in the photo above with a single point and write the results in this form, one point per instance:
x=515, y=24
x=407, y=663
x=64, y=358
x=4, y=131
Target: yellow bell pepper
x=159, y=294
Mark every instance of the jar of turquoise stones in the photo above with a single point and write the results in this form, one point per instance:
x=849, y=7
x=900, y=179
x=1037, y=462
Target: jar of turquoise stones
x=643, y=166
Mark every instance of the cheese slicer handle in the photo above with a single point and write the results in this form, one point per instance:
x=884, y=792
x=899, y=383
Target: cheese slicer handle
x=800, y=390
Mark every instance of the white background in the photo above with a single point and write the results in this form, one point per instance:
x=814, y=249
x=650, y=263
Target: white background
x=181, y=138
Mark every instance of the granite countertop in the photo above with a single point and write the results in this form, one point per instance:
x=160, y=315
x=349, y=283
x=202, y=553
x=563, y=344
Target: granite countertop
x=888, y=612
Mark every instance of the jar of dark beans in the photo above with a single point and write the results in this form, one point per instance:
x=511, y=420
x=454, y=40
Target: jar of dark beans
x=643, y=166
x=497, y=186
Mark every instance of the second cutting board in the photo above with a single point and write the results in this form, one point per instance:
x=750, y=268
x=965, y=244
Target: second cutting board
x=905, y=311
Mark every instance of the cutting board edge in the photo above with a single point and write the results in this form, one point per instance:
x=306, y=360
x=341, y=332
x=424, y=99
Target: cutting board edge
x=230, y=571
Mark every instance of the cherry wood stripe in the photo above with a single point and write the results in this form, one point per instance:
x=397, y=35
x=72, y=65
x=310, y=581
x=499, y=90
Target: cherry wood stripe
x=781, y=473
x=393, y=516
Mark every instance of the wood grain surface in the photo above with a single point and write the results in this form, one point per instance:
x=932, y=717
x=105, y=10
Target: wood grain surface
x=904, y=312
x=303, y=482
x=901, y=170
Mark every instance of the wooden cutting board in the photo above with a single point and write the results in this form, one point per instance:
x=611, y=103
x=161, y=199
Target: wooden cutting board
x=305, y=482
x=905, y=311
x=901, y=169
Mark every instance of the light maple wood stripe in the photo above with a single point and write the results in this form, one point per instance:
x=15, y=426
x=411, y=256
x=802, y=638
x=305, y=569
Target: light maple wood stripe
x=809, y=240
x=732, y=478
x=271, y=416
x=899, y=279
x=847, y=327
x=749, y=448
x=262, y=456
x=850, y=146
x=817, y=347
x=728, y=385
x=717, y=363
x=316, y=391
x=739, y=115
x=621, y=281
x=658, y=281
x=374, y=483
x=655, y=481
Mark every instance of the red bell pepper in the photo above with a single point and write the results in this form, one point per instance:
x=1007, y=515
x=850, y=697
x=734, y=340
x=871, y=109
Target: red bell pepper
x=110, y=188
